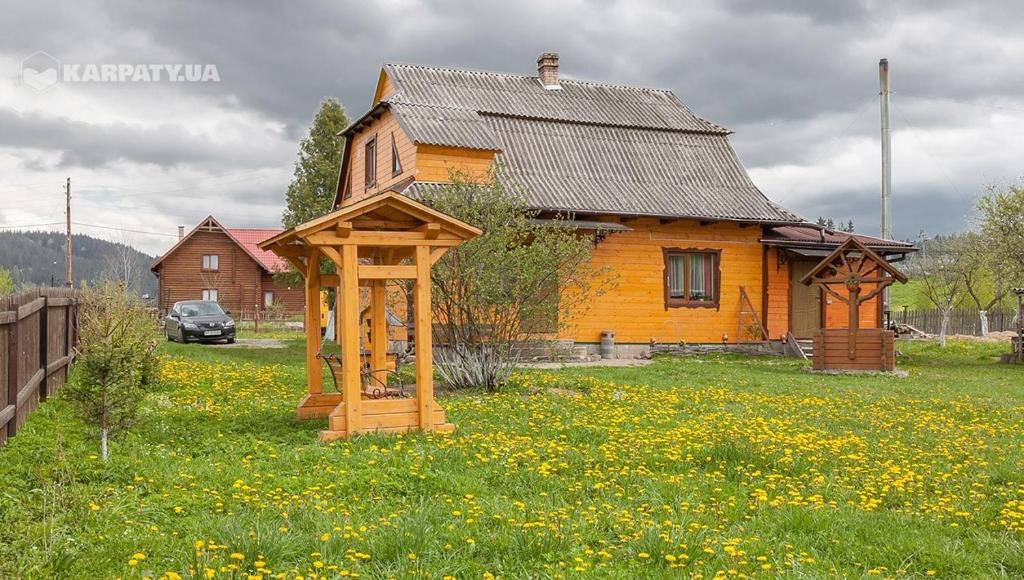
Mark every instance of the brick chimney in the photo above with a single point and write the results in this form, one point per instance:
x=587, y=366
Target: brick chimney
x=547, y=70
x=181, y=232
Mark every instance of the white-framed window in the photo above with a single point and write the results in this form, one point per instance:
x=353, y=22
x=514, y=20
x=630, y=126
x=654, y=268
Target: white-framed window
x=211, y=262
x=396, y=163
x=268, y=298
x=210, y=294
x=370, y=163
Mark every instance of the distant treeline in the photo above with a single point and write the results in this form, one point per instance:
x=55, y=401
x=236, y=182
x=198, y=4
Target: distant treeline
x=37, y=259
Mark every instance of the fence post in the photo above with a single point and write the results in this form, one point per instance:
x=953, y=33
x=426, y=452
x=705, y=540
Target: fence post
x=44, y=340
x=12, y=373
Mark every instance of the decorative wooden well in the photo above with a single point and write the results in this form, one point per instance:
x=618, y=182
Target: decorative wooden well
x=384, y=237
x=853, y=274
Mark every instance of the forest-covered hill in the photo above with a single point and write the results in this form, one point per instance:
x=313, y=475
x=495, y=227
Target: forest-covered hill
x=37, y=259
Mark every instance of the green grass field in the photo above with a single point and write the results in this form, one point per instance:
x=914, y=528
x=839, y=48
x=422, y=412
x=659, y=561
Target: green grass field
x=700, y=466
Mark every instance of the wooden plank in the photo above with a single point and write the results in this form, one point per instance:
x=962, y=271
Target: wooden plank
x=377, y=272
x=31, y=387
x=57, y=365
x=31, y=308
x=7, y=414
x=349, y=295
x=372, y=422
x=343, y=229
x=59, y=301
x=8, y=317
x=44, y=341
x=430, y=231
x=379, y=330
x=13, y=343
x=314, y=372
x=424, y=346
x=378, y=239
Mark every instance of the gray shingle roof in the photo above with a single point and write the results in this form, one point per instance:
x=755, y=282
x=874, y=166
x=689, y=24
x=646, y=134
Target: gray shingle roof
x=432, y=125
x=586, y=148
x=523, y=96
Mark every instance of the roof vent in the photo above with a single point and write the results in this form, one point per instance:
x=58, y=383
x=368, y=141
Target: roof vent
x=547, y=70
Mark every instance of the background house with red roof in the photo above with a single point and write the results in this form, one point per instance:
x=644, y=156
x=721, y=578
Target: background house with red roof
x=223, y=264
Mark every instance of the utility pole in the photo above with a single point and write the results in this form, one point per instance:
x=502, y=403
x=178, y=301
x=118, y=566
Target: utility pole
x=67, y=247
x=886, y=225
x=883, y=92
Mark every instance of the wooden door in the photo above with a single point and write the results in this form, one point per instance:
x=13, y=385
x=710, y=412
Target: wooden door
x=805, y=309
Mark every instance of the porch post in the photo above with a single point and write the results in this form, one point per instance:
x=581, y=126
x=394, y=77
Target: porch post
x=854, y=321
x=314, y=376
x=350, y=360
x=424, y=348
x=378, y=332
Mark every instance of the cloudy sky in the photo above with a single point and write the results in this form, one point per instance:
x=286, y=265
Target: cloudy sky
x=797, y=80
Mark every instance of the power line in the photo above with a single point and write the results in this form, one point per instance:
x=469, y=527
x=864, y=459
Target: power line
x=129, y=230
x=81, y=224
x=25, y=226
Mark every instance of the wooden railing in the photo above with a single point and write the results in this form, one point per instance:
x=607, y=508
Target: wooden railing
x=37, y=343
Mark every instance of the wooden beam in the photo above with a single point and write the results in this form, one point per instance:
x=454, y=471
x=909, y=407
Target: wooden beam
x=430, y=231
x=290, y=250
x=349, y=296
x=424, y=345
x=330, y=280
x=297, y=264
x=379, y=332
x=436, y=254
x=376, y=272
x=378, y=239
x=314, y=378
x=333, y=255
x=343, y=229
x=705, y=223
x=385, y=224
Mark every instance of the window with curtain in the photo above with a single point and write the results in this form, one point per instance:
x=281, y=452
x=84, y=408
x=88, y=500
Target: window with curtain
x=691, y=278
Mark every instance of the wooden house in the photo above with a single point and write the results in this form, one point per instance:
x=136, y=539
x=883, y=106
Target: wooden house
x=703, y=256
x=212, y=262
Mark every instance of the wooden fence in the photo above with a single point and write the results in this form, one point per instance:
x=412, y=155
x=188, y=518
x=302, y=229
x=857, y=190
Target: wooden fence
x=961, y=320
x=37, y=340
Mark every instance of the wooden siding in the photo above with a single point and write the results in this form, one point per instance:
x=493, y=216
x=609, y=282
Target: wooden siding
x=873, y=351
x=382, y=128
x=292, y=298
x=385, y=88
x=777, y=272
x=435, y=163
x=237, y=279
x=837, y=313
x=635, y=307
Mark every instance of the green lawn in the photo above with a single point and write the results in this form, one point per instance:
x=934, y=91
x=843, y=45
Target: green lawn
x=695, y=466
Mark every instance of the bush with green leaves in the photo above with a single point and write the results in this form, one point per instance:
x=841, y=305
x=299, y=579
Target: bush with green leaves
x=115, y=361
x=521, y=281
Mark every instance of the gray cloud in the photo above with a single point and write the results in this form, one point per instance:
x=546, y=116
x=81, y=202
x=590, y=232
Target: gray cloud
x=796, y=80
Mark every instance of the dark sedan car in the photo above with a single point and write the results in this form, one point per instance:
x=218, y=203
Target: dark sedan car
x=199, y=320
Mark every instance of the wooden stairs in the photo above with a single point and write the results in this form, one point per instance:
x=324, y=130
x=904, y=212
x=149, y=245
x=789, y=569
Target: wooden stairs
x=801, y=348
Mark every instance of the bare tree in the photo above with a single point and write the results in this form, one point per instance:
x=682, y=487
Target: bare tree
x=123, y=265
x=940, y=272
x=984, y=274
